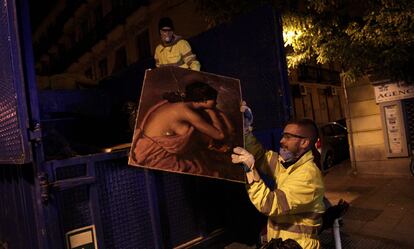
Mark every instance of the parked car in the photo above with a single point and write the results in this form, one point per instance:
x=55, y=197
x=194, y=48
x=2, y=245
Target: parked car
x=332, y=144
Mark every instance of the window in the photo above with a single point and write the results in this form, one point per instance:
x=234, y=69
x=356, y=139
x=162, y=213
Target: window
x=103, y=68
x=120, y=59
x=45, y=68
x=84, y=30
x=88, y=73
x=143, y=45
x=54, y=62
x=98, y=14
x=72, y=40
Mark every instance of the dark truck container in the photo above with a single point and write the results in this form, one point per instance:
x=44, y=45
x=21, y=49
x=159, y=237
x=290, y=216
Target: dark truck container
x=57, y=181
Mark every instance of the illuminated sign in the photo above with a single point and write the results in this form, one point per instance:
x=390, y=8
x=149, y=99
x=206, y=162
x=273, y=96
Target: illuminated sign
x=82, y=238
x=393, y=91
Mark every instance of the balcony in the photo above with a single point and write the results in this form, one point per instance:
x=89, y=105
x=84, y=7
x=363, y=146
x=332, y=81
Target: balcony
x=55, y=30
x=114, y=18
x=313, y=74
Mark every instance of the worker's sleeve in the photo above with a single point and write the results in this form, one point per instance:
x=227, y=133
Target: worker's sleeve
x=295, y=195
x=187, y=55
x=156, y=57
x=265, y=161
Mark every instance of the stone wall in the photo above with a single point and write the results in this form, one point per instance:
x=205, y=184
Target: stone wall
x=366, y=135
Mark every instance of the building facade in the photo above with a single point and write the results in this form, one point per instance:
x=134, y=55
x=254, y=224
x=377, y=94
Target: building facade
x=380, y=118
x=82, y=42
x=317, y=94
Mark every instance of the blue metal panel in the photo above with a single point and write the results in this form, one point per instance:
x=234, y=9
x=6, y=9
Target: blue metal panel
x=124, y=206
x=270, y=139
x=14, y=146
x=74, y=207
x=179, y=208
x=17, y=228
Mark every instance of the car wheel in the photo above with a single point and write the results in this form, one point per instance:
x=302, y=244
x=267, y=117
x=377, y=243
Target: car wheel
x=329, y=160
x=412, y=165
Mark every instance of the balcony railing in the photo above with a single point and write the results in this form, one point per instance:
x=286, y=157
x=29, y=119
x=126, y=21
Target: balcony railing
x=318, y=75
x=55, y=30
x=114, y=18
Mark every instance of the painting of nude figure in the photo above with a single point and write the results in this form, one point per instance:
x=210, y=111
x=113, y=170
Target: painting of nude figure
x=188, y=122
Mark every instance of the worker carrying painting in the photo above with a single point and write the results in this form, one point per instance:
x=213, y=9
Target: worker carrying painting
x=173, y=49
x=295, y=206
x=188, y=122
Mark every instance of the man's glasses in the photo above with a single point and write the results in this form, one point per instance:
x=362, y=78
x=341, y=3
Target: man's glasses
x=288, y=135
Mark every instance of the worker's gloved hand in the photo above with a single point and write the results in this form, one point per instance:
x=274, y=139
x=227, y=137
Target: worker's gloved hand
x=247, y=118
x=241, y=155
x=332, y=213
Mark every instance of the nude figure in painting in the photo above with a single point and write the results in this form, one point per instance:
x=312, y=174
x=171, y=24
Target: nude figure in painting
x=175, y=132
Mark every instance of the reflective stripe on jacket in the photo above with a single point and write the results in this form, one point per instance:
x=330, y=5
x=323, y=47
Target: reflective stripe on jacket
x=176, y=54
x=295, y=206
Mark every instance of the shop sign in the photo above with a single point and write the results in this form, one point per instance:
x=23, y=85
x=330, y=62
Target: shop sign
x=394, y=129
x=393, y=91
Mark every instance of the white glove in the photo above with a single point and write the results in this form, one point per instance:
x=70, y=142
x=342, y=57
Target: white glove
x=241, y=155
x=247, y=117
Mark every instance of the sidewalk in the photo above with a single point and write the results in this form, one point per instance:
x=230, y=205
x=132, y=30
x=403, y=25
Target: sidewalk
x=381, y=213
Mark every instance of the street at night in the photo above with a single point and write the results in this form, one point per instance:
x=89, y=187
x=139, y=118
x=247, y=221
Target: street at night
x=381, y=208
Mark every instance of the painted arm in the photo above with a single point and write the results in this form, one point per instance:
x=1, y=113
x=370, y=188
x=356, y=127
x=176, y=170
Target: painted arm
x=214, y=131
x=228, y=125
x=221, y=121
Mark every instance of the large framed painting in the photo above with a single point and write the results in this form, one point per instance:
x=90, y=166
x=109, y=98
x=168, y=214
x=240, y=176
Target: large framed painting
x=188, y=122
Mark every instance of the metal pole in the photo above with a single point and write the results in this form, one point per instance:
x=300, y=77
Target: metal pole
x=349, y=127
x=337, y=234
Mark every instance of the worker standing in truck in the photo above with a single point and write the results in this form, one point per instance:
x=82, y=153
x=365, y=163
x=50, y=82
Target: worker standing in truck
x=173, y=49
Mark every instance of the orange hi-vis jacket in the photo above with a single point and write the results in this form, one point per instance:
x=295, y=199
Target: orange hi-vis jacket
x=177, y=54
x=295, y=206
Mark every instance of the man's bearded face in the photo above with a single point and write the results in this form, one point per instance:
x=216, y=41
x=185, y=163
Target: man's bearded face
x=291, y=140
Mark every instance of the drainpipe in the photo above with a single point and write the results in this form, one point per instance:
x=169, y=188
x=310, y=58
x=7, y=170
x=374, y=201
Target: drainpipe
x=337, y=234
x=349, y=126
